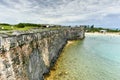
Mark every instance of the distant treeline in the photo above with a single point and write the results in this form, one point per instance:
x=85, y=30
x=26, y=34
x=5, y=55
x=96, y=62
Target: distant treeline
x=29, y=24
x=4, y=24
x=25, y=24
x=92, y=28
x=22, y=25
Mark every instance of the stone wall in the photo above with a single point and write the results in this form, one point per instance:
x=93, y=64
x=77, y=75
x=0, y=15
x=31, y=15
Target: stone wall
x=28, y=56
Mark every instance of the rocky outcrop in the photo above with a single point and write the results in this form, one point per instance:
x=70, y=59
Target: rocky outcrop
x=28, y=56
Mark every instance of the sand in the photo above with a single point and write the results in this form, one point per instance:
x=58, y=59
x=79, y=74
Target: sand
x=97, y=33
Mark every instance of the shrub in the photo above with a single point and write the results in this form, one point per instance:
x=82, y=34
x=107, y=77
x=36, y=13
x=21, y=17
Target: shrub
x=20, y=25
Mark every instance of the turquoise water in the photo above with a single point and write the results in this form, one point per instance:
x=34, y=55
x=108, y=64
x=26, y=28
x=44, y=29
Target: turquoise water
x=97, y=57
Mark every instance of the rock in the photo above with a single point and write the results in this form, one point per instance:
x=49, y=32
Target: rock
x=29, y=56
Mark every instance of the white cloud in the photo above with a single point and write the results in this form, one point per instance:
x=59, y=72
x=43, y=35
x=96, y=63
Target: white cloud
x=56, y=11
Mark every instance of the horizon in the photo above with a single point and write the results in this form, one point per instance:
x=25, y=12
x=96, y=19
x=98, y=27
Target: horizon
x=104, y=13
x=68, y=25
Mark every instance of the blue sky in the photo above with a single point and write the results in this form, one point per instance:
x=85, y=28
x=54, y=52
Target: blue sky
x=101, y=13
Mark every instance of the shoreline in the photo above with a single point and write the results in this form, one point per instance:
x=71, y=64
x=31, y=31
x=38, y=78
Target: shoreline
x=108, y=33
x=48, y=76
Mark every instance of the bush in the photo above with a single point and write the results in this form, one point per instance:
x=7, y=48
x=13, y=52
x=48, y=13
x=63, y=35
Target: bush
x=20, y=25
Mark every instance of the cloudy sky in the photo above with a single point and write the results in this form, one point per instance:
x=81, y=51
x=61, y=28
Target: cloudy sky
x=102, y=13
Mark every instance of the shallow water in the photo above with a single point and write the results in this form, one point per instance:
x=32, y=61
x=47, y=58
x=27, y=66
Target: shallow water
x=97, y=57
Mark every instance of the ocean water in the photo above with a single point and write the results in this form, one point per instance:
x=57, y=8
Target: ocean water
x=97, y=57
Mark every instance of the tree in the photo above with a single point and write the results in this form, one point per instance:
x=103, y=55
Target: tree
x=20, y=25
x=92, y=26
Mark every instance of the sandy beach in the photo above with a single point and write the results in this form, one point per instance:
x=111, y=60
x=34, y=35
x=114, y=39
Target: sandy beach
x=97, y=33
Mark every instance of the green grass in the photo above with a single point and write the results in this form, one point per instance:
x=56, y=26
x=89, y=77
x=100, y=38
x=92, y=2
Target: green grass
x=9, y=28
x=5, y=28
x=24, y=29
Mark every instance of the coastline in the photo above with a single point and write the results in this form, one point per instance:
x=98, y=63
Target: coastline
x=89, y=63
x=51, y=74
x=107, y=33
